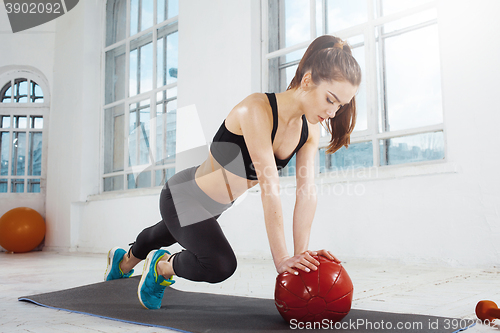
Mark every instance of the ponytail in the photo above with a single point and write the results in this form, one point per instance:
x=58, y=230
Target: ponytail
x=328, y=58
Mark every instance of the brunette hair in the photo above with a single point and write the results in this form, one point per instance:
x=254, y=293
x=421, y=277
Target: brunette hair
x=328, y=58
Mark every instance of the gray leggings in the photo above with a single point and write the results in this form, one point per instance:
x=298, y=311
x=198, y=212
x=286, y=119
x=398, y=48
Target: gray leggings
x=190, y=219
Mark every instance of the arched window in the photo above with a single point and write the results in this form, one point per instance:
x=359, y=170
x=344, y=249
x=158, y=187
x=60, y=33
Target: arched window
x=21, y=90
x=22, y=112
x=140, y=93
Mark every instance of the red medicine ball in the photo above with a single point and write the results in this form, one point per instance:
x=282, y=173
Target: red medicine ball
x=325, y=293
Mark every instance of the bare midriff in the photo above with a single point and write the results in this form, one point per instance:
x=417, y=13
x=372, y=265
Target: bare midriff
x=212, y=182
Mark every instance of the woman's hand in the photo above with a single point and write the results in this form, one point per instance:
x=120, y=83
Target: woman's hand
x=328, y=255
x=303, y=261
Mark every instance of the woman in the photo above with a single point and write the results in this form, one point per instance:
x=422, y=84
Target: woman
x=266, y=130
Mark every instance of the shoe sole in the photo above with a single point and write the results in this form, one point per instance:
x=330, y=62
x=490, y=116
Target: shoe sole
x=145, y=271
x=111, y=253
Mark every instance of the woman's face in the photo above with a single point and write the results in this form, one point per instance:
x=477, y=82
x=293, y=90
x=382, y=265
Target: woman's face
x=326, y=98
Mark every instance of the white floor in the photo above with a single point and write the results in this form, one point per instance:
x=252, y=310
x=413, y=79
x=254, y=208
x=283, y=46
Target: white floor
x=449, y=292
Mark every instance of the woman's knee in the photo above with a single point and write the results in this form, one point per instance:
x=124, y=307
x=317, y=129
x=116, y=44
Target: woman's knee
x=223, y=268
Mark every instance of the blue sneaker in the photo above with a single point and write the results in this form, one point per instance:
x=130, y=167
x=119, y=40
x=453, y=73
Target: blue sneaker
x=152, y=285
x=113, y=270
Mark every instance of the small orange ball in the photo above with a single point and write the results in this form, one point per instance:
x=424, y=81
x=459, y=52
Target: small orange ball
x=21, y=229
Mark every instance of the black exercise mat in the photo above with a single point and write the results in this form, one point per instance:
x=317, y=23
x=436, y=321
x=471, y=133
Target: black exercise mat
x=202, y=312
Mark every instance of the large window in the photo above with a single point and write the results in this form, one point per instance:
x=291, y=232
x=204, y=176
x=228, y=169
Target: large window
x=140, y=93
x=396, y=44
x=22, y=114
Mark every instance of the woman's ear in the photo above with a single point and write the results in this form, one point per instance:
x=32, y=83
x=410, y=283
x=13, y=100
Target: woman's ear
x=306, y=83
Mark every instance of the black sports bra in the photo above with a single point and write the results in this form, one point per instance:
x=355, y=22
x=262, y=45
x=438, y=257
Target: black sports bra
x=226, y=146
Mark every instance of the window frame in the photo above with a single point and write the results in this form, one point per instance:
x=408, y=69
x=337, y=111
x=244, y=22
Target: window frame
x=127, y=100
x=367, y=30
x=28, y=109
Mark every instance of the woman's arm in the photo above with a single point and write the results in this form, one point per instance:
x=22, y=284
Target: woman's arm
x=306, y=201
x=256, y=126
x=255, y=120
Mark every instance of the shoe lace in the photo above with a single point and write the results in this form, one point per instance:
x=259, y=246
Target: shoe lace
x=158, y=287
x=158, y=290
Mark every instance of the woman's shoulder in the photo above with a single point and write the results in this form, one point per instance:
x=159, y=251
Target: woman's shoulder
x=254, y=108
x=254, y=103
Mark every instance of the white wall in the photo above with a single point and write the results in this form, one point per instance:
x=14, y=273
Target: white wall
x=73, y=156
x=31, y=50
x=444, y=213
x=219, y=57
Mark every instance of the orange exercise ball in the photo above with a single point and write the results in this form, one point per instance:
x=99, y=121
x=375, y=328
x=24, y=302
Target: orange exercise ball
x=21, y=229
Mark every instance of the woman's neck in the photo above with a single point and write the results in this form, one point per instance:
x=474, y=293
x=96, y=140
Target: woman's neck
x=289, y=105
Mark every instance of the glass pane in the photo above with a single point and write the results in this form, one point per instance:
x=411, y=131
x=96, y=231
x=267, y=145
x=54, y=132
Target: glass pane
x=138, y=141
x=161, y=10
x=273, y=23
x=161, y=126
x=33, y=185
x=172, y=93
x=171, y=128
x=35, y=154
x=141, y=65
x=173, y=8
x=297, y=22
x=146, y=66
x=319, y=18
x=21, y=91
x=393, y=6
x=280, y=74
x=161, y=63
x=146, y=14
x=17, y=186
x=139, y=181
x=36, y=94
x=3, y=186
x=358, y=155
x=289, y=74
x=4, y=153
x=20, y=121
x=116, y=19
x=113, y=183
x=165, y=131
x=133, y=73
x=343, y=14
x=6, y=93
x=141, y=15
x=134, y=17
x=115, y=75
x=161, y=176
x=295, y=56
x=413, y=81
x=355, y=40
x=4, y=121
x=361, y=102
x=114, y=139
x=172, y=57
x=409, y=21
x=167, y=55
x=19, y=153
x=412, y=148
x=36, y=122
x=274, y=75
